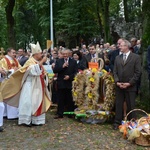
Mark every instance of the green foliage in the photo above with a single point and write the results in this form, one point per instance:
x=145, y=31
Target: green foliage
x=3, y=31
x=74, y=20
x=114, y=8
x=134, y=10
x=77, y=19
x=32, y=23
x=143, y=100
x=146, y=23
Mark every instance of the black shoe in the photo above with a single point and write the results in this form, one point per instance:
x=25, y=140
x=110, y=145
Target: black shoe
x=115, y=126
x=1, y=129
x=37, y=124
x=26, y=125
x=58, y=117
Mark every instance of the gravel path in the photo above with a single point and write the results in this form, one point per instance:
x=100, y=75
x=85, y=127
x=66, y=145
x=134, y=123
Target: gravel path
x=63, y=134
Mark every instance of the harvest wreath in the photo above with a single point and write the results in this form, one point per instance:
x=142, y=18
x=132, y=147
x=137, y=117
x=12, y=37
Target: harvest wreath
x=87, y=90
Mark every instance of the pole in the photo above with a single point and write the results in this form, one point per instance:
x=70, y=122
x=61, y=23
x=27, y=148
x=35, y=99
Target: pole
x=51, y=24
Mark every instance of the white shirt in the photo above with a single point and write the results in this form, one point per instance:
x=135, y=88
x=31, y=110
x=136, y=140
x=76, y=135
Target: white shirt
x=127, y=54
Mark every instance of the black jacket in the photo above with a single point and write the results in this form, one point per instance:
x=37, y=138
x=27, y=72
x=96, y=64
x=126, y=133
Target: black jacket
x=71, y=70
x=23, y=60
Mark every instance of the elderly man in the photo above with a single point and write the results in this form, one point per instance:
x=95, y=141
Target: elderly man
x=127, y=70
x=29, y=90
x=66, y=68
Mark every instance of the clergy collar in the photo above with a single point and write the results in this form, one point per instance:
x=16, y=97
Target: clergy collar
x=10, y=58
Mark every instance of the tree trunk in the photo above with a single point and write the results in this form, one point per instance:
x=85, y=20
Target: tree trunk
x=106, y=21
x=99, y=19
x=10, y=23
x=126, y=10
x=104, y=15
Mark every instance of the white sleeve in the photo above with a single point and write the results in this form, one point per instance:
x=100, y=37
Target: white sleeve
x=35, y=70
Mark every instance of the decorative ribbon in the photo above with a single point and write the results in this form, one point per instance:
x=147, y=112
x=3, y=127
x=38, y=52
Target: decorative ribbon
x=10, y=66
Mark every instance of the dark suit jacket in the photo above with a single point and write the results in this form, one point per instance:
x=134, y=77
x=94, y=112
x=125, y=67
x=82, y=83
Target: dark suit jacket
x=82, y=64
x=53, y=61
x=112, y=57
x=128, y=72
x=71, y=70
x=23, y=60
x=89, y=57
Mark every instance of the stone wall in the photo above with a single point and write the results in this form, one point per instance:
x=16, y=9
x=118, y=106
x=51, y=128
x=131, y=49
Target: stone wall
x=120, y=28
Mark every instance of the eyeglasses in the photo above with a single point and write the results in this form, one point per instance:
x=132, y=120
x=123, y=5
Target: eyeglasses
x=122, y=45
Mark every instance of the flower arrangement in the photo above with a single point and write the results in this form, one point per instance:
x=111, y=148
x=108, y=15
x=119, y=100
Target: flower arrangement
x=86, y=94
x=78, y=88
x=109, y=98
x=91, y=90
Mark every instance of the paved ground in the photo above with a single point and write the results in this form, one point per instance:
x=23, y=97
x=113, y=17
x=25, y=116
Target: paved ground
x=63, y=134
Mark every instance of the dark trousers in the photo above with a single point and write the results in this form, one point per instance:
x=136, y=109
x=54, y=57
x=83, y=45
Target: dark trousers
x=54, y=93
x=65, y=99
x=121, y=96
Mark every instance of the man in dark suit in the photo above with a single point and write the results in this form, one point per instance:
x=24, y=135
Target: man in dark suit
x=134, y=48
x=66, y=68
x=92, y=54
x=115, y=53
x=21, y=58
x=127, y=70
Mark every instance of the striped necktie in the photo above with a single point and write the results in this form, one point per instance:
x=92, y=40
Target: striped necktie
x=124, y=58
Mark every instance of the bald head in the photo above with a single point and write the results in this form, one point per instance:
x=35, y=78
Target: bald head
x=133, y=41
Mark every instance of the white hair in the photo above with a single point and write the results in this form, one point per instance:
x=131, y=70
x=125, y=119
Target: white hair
x=127, y=43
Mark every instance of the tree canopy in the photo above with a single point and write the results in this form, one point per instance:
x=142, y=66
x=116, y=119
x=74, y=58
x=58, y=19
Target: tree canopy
x=75, y=21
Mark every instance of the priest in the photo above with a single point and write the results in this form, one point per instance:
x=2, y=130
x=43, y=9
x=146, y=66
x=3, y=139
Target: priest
x=10, y=64
x=29, y=90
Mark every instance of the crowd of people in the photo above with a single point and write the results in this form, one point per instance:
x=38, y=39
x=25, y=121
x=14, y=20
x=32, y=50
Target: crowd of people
x=25, y=90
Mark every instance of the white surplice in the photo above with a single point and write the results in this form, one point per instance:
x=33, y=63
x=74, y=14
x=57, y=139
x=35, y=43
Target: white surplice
x=10, y=112
x=30, y=92
x=1, y=113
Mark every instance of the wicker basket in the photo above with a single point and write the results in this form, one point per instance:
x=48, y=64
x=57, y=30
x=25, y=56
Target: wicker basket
x=143, y=139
